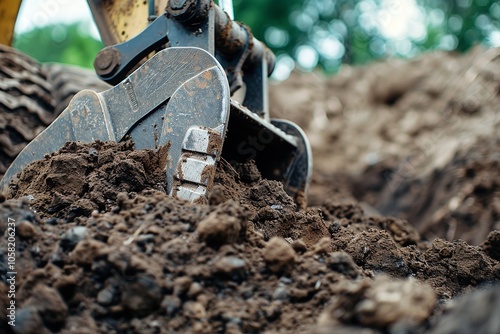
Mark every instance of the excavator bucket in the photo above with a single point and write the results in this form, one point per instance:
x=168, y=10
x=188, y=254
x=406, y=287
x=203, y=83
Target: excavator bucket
x=180, y=99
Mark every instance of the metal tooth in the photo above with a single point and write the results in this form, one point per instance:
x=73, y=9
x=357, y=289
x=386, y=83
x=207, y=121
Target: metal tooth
x=198, y=140
x=196, y=169
x=191, y=192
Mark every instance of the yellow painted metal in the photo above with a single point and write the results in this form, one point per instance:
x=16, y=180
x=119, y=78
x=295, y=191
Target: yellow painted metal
x=120, y=20
x=117, y=20
x=8, y=15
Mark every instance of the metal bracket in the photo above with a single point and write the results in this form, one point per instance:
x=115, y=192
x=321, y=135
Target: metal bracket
x=181, y=96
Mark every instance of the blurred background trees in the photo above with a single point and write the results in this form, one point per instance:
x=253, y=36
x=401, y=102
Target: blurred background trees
x=68, y=44
x=324, y=34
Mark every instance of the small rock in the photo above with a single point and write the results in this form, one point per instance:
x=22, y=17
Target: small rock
x=28, y=321
x=182, y=285
x=194, y=290
x=105, y=296
x=194, y=310
x=142, y=297
x=25, y=229
x=334, y=227
x=279, y=255
x=171, y=305
x=72, y=237
x=281, y=292
x=343, y=263
x=50, y=306
x=86, y=251
x=226, y=225
x=231, y=266
x=299, y=246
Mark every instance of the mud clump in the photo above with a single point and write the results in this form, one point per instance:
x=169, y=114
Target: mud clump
x=223, y=226
x=88, y=177
x=50, y=306
x=279, y=255
x=492, y=245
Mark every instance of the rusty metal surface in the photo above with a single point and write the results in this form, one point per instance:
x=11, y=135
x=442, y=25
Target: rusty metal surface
x=198, y=23
x=113, y=63
x=279, y=148
x=167, y=96
x=298, y=175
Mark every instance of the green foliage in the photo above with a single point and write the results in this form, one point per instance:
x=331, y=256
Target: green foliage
x=321, y=33
x=60, y=43
x=327, y=33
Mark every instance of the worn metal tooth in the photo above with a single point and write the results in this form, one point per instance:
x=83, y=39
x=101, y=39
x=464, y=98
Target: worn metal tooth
x=202, y=140
x=196, y=168
x=191, y=192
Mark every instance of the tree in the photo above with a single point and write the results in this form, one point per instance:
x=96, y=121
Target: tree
x=327, y=33
x=60, y=43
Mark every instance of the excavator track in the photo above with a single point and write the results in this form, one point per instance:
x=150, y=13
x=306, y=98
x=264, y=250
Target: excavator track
x=32, y=95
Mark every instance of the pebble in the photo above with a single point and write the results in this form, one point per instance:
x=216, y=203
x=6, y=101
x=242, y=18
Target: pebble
x=194, y=310
x=279, y=255
x=231, y=266
x=28, y=321
x=72, y=237
x=281, y=292
x=105, y=296
x=334, y=227
x=25, y=229
x=194, y=290
x=182, y=285
x=219, y=229
x=171, y=304
x=142, y=296
x=50, y=305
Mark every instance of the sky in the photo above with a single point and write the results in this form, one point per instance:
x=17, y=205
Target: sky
x=37, y=13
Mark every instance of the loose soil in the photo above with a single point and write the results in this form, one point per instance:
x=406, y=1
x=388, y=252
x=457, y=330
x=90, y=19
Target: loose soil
x=399, y=237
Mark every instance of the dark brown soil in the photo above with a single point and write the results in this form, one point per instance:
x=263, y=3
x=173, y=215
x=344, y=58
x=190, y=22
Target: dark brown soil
x=102, y=249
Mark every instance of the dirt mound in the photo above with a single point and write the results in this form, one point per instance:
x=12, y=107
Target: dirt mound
x=88, y=177
x=248, y=262
x=417, y=139
x=101, y=248
x=459, y=200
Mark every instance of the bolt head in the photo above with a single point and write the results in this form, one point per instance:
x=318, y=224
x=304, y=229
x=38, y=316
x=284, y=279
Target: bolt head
x=107, y=61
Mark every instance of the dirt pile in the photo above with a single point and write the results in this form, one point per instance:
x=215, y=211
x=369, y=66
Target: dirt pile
x=417, y=139
x=88, y=177
x=247, y=262
x=100, y=248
